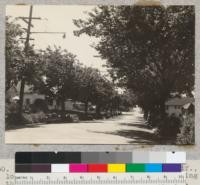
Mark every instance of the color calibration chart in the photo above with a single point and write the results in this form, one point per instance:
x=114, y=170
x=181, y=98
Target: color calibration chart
x=35, y=168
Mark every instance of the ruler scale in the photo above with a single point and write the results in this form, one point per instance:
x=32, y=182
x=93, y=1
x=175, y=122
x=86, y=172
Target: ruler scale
x=106, y=179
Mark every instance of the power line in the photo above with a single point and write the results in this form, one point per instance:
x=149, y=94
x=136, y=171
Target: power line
x=28, y=21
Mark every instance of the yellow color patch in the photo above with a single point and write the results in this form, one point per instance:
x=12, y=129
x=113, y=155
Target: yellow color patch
x=116, y=168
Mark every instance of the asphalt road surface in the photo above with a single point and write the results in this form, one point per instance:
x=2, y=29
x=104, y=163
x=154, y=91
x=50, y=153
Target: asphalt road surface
x=128, y=128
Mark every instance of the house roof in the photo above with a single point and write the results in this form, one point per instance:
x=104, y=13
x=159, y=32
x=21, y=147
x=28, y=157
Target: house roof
x=180, y=101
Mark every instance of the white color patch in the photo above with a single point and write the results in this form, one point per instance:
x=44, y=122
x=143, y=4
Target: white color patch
x=176, y=157
x=59, y=168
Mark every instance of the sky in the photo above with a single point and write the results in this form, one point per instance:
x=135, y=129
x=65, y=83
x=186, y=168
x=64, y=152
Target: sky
x=58, y=18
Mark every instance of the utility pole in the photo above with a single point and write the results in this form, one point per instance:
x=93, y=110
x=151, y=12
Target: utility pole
x=26, y=50
x=28, y=20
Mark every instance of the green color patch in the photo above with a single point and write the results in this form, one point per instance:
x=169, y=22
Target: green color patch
x=135, y=167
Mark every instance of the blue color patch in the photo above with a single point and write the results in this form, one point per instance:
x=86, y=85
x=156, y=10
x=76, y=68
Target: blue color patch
x=153, y=167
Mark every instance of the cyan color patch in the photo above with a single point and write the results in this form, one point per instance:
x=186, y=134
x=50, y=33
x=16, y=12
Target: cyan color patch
x=153, y=167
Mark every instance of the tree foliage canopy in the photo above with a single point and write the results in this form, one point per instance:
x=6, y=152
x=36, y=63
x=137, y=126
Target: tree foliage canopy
x=19, y=65
x=151, y=48
x=66, y=78
x=59, y=72
x=13, y=51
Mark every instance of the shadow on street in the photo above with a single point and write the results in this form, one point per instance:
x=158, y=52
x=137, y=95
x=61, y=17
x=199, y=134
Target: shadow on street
x=136, y=136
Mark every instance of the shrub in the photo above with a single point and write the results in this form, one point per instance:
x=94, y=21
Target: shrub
x=11, y=114
x=38, y=117
x=186, y=135
x=168, y=127
x=14, y=119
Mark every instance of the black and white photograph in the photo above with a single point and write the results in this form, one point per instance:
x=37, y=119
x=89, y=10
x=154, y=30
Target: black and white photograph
x=100, y=74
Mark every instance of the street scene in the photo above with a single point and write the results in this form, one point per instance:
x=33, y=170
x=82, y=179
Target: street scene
x=128, y=128
x=100, y=74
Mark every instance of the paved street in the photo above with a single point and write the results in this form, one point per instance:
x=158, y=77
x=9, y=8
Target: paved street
x=128, y=128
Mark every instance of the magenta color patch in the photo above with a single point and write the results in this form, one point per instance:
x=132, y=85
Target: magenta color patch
x=75, y=168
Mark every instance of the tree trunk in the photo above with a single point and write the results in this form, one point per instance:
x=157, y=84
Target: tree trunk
x=162, y=108
x=146, y=114
x=63, y=107
x=8, y=84
x=164, y=98
x=98, y=108
x=86, y=107
x=21, y=97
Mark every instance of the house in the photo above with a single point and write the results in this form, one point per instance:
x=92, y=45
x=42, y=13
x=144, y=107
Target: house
x=36, y=100
x=11, y=94
x=180, y=106
x=55, y=105
x=31, y=97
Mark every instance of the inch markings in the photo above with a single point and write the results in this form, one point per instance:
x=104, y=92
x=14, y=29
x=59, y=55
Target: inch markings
x=97, y=178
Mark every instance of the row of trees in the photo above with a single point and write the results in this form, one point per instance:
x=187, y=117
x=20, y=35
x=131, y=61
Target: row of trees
x=64, y=77
x=58, y=74
x=150, y=49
